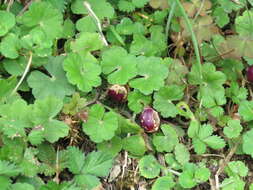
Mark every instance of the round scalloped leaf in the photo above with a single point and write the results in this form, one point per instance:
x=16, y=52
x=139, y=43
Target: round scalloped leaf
x=140, y=3
x=86, y=24
x=165, y=96
x=44, y=110
x=126, y=6
x=247, y=142
x=56, y=84
x=100, y=126
x=101, y=8
x=85, y=42
x=135, y=145
x=44, y=16
x=82, y=71
x=149, y=167
x=118, y=65
x=152, y=74
x=166, y=142
x=243, y=23
x=164, y=183
x=233, y=129
x=9, y=46
x=15, y=67
x=7, y=21
x=112, y=147
x=137, y=101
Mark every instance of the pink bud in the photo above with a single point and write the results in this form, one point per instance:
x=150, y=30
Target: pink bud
x=150, y=120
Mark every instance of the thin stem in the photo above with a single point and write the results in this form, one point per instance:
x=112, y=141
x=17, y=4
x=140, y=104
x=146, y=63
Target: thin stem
x=174, y=172
x=98, y=23
x=24, y=74
x=172, y=10
x=194, y=39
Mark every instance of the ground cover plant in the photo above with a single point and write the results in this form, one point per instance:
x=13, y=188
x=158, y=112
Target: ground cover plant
x=126, y=94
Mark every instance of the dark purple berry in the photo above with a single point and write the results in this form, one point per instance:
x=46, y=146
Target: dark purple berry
x=250, y=73
x=117, y=93
x=150, y=120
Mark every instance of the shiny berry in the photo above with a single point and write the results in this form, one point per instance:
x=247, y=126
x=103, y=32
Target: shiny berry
x=150, y=120
x=250, y=73
x=117, y=93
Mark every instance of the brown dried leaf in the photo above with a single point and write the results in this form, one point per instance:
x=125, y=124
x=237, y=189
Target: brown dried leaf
x=236, y=47
x=203, y=27
x=197, y=6
x=159, y=4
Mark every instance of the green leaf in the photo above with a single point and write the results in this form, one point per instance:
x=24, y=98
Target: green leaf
x=44, y=110
x=177, y=72
x=149, y=167
x=182, y=154
x=164, y=97
x=164, y=183
x=229, y=6
x=15, y=118
x=247, y=142
x=44, y=17
x=98, y=164
x=87, y=182
x=135, y=145
x=232, y=68
x=113, y=146
x=7, y=85
x=8, y=169
x=202, y=174
x=236, y=93
x=86, y=42
x=171, y=161
x=22, y=186
x=75, y=105
x=151, y=73
x=118, y=65
x=199, y=146
x=15, y=67
x=233, y=129
x=60, y=5
x=168, y=141
x=154, y=46
x=186, y=179
x=82, y=71
x=211, y=91
x=235, y=168
x=126, y=6
x=68, y=28
x=100, y=7
x=221, y=17
x=246, y=110
x=233, y=183
x=128, y=27
x=86, y=24
x=29, y=164
x=215, y=142
x=10, y=46
x=243, y=23
x=57, y=83
x=100, y=126
x=7, y=20
x=5, y=182
x=75, y=159
x=193, y=128
x=137, y=101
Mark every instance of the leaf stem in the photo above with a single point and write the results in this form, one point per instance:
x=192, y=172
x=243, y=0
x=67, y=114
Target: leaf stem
x=96, y=19
x=174, y=172
x=24, y=74
x=172, y=10
x=194, y=39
